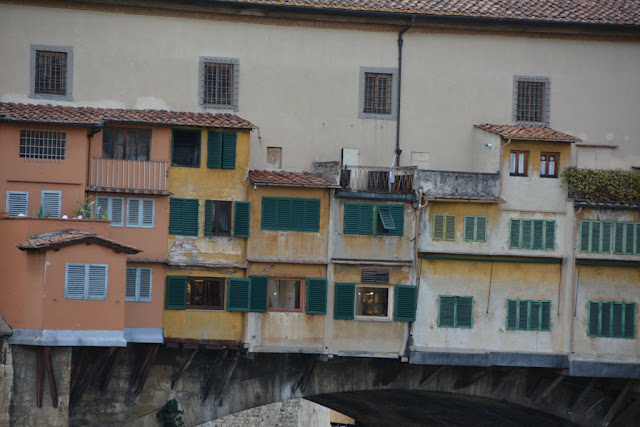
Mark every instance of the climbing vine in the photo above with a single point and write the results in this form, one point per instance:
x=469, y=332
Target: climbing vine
x=170, y=415
x=596, y=185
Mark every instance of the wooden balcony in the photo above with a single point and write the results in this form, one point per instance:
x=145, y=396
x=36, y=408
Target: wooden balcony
x=376, y=179
x=128, y=176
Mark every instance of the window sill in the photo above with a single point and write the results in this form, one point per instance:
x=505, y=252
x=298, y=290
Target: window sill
x=204, y=309
x=373, y=319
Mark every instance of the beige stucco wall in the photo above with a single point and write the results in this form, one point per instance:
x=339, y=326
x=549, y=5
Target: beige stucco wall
x=313, y=75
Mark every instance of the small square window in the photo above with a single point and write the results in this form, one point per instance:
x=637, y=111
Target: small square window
x=518, y=163
x=217, y=218
x=51, y=72
x=205, y=293
x=219, y=83
x=186, y=148
x=531, y=100
x=285, y=294
x=378, y=86
x=549, y=165
x=372, y=301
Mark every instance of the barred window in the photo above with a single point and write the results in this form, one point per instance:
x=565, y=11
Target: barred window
x=51, y=73
x=42, y=144
x=531, y=100
x=377, y=93
x=219, y=82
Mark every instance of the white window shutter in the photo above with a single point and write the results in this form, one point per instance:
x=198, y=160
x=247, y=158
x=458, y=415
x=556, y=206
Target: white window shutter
x=148, y=213
x=75, y=280
x=116, y=211
x=97, y=283
x=51, y=203
x=102, y=207
x=145, y=284
x=130, y=294
x=17, y=203
x=133, y=212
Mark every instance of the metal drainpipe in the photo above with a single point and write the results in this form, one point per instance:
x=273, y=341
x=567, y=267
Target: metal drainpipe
x=400, y=43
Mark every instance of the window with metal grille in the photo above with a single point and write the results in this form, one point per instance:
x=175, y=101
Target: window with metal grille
x=126, y=144
x=549, y=165
x=86, y=281
x=377, y=93
x=43, y=144
x=219, y=82
x=138, y=285
x=531, y=100
x=375, y=275
x=528, y=315
x=611, y=319
x=51, y=73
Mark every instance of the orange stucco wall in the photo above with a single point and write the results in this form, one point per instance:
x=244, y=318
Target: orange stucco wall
x=139, y=314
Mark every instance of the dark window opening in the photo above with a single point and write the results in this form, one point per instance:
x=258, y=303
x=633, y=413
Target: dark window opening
x=285, y=294
x=377, y=93
x=205, y=293
x=126, y=144
x=219, y=215
x=186, y=148
x=51, y=73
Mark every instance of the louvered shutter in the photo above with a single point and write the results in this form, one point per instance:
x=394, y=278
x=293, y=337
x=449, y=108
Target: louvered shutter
x=385, y=217
x=514, y=233
x=130, y=288
x=397, y=213
x=464, y=312
x=523, y=314
x=190, y=217
x=144, y=293
x=616, y=319
x=298, y=213
x=595, y=237
x=176, y=298
x=97, y=282
x=512, y=314
x=481, y=228
x=469, y=228
x=594, y=316
x=344, y=300
x=176, y=216
x=538, y=234
x=365, y=219
x=618, y=237
x=637, y=239
x=51, y=203
x=629, y=238
x=214, y=150
x=549, y=235
x=133, y=212
x=405, y=303
x=116, y=211
x=259, y=292
x=208, y=217
x=545, y=316
x=438, y=226
x=450, y=227
x=350, y=218
x=526, y=240
x=148, y=213
x=241, y=219
x=605, y=319
x=534, y=315
x=629, y=320
x=316, y=296
x=268, y=221
x=17, y=203
x=446, y=311
x=283, y=214
x=238, y=294
x=75, y=281
x=584, y=236
x=101, y=208
x=606, y=237
x=312, y=215
x=229, y=150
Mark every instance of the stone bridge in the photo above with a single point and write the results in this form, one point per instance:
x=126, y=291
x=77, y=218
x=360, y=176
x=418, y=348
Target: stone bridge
x=128, y=387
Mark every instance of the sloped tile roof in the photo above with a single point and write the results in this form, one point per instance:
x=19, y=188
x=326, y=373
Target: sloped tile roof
x=617, y=12
x=303, y=179
x=58, y=239
x=58, y=114
x=530, y=133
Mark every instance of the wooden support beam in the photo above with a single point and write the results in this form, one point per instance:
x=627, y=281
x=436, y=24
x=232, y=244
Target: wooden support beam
x=473, y=376
x=393, y=374
x=39, y=376
x=226, y=381
x=431, y=375
x=78, y=365
x=185, y=365
x=625, y=417
x=617, y=403
x=85, y=379
x=112, y=368
x=52, y=379
x=212, y=375
x=597, y=402
x=304, y=378
x=100, y=369
x=530, y=392
x=549, y=388
x=504, y=380
x=140, y=377
x=585, y=391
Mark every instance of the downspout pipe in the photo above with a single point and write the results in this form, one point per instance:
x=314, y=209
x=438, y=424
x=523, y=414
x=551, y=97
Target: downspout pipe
x=399, y=100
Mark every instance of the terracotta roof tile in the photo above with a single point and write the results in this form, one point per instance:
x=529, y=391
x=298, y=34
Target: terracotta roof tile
x=617, y=12
x=303, y=179
x=531, y=133
x=58, y=239
x=39, y=113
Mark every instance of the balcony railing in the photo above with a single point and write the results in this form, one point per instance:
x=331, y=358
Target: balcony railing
x=128, y=175
x=375, y=179
x=458, y=185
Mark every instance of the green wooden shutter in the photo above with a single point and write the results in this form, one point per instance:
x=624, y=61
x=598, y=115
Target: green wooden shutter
x=469, y=228
x=526, y=241
x=481, y=228
x=241, y=219
x=618, y=237
x=629, y=238
x=316, y=296
x=238, y=294
x=545, y=316
x=208, y=217
x=450, y=227
x=606, y=237
x=594, y=316
x=176, y=298
x=438, y=226
x=549, y=235
x=351, y=224
x=538, y=234
x=229, y=150
x=464, y=312
x=512, y=314
x=629, y=319
x=397, y=213
x=446, y=311
x=176, y=216
x=534, y=315
x=385, y=217
x=298, y=212
x=514, y=233
x=365, y=219
x=214, y=150
x=268, y=220
x=637, y=239
x=344, y=300
x=405, y=303
x=616, y=319
x=190, y=217
x=311, y=215
x=258, y=293
x=584, y=235
x=523, y=314
x=284, y=212
x=595, y=237
x=605, y=319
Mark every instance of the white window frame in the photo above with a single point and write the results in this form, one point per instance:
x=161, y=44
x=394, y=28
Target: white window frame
x=390, y=302
x=110, y=210
x=43, y=194
x=138, y=283
x=87, y=274
x=26, y=201
x=140, y=222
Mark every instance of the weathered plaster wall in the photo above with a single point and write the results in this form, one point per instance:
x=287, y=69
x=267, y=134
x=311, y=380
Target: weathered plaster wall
x=458, y=185
x=147, y=314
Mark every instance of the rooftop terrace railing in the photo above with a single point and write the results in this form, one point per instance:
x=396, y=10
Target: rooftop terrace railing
x=377, y=179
